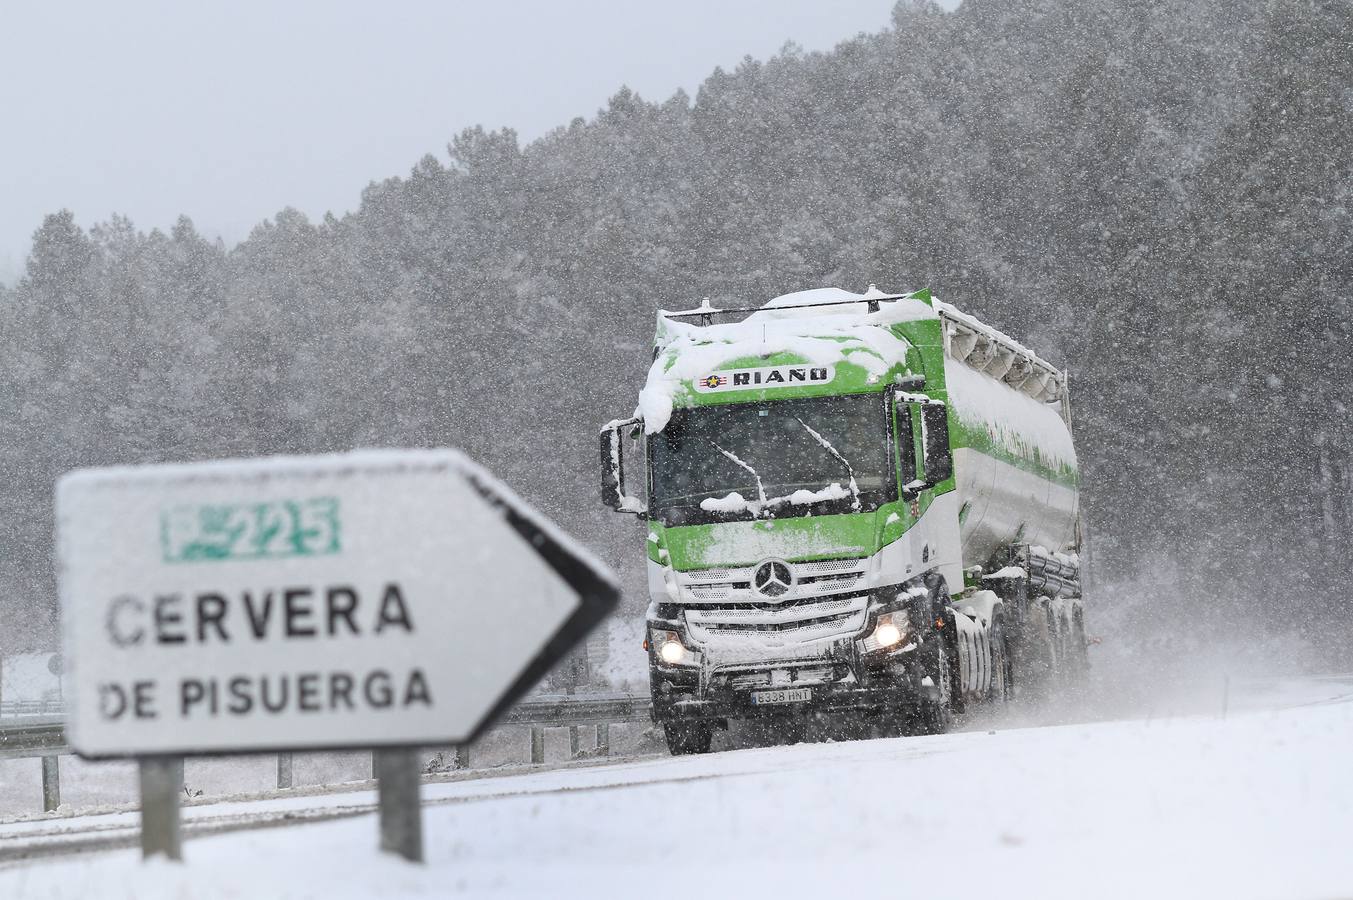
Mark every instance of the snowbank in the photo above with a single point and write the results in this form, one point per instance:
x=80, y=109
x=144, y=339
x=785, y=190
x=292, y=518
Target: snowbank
x=1251, y=806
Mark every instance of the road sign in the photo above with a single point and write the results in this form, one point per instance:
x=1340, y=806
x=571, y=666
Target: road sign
x=381, y=598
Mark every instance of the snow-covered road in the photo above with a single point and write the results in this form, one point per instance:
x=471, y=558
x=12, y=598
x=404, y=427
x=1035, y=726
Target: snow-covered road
x=1256, y=804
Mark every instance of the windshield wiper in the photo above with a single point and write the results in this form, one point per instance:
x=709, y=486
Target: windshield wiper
x=760, y=490
x=850, y=470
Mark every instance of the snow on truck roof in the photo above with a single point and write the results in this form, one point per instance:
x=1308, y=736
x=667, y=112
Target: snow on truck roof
x=845, y=330
x=825, y=326
x=814, y=303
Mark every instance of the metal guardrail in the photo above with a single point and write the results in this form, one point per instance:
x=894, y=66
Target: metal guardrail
x=28, y=736
x=579, y=709
x=52, y=708
x=573, y=710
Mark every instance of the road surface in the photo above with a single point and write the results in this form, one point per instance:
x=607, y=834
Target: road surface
x=1251, y=799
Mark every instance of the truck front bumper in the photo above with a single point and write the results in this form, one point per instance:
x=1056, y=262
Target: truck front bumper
x=888, y=687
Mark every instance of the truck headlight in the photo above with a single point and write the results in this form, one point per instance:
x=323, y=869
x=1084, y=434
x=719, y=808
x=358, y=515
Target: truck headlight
x=890, y=630
x=671, y=650
x=887, y=633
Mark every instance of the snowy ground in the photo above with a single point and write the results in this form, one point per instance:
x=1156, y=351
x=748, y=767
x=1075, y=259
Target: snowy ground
x=1256, y=804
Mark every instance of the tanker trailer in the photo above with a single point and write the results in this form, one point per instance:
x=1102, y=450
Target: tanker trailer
x=859, y=507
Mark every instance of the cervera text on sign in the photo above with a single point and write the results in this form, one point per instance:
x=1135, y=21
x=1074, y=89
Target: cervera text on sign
x=291, y=612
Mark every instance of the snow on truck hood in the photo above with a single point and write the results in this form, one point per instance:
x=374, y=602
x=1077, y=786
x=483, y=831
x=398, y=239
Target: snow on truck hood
x=819, y=336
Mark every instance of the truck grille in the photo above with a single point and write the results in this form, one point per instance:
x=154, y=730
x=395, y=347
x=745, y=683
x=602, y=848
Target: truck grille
x=751, y=629
x=811, y=579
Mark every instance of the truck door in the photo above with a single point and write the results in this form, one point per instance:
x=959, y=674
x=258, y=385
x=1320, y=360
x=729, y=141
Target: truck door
x=907, y=429
x=925, y=464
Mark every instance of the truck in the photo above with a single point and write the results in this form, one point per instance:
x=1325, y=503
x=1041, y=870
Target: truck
x=859, y=507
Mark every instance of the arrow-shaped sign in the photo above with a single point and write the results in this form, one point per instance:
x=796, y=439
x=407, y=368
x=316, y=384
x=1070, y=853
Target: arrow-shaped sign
x=380, y=598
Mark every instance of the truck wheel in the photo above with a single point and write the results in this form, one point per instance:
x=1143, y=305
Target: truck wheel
x=1034, y=652
x=1002, y=666
x=935, y=713
x=684, y=738
x=949, y=649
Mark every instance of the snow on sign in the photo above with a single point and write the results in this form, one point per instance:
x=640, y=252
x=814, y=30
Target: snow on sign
x=377, y=598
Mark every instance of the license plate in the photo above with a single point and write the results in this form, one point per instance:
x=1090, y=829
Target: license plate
x=788, y=695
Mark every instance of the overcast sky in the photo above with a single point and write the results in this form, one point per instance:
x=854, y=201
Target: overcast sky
x=230, y=111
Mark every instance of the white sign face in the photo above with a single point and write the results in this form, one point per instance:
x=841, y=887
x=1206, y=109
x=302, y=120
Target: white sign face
x=764, y=377
x=379, y=598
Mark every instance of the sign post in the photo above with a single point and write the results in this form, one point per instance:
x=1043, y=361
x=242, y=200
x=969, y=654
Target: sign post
x=397, y=784
x=161, y=793
x=384, y=600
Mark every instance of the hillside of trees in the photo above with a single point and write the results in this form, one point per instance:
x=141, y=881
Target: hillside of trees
x=1154, y=193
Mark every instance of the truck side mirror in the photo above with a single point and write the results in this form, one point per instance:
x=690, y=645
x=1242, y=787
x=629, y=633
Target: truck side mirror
x=613, y=469
x=939, y=459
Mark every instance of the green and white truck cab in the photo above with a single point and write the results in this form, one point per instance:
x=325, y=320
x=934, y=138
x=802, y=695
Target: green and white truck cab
x=857, y=503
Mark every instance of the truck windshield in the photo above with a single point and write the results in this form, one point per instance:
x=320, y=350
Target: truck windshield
x=771, y=460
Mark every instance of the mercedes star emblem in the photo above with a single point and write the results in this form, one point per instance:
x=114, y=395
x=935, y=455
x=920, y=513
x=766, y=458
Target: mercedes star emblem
x=773, y=578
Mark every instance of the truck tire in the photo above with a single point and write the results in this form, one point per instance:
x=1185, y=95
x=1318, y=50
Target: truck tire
x=950, y=664
x=684, y=738
x=948, y=650
x=1002, y=688
x=1035, y=652
x=934, y=714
